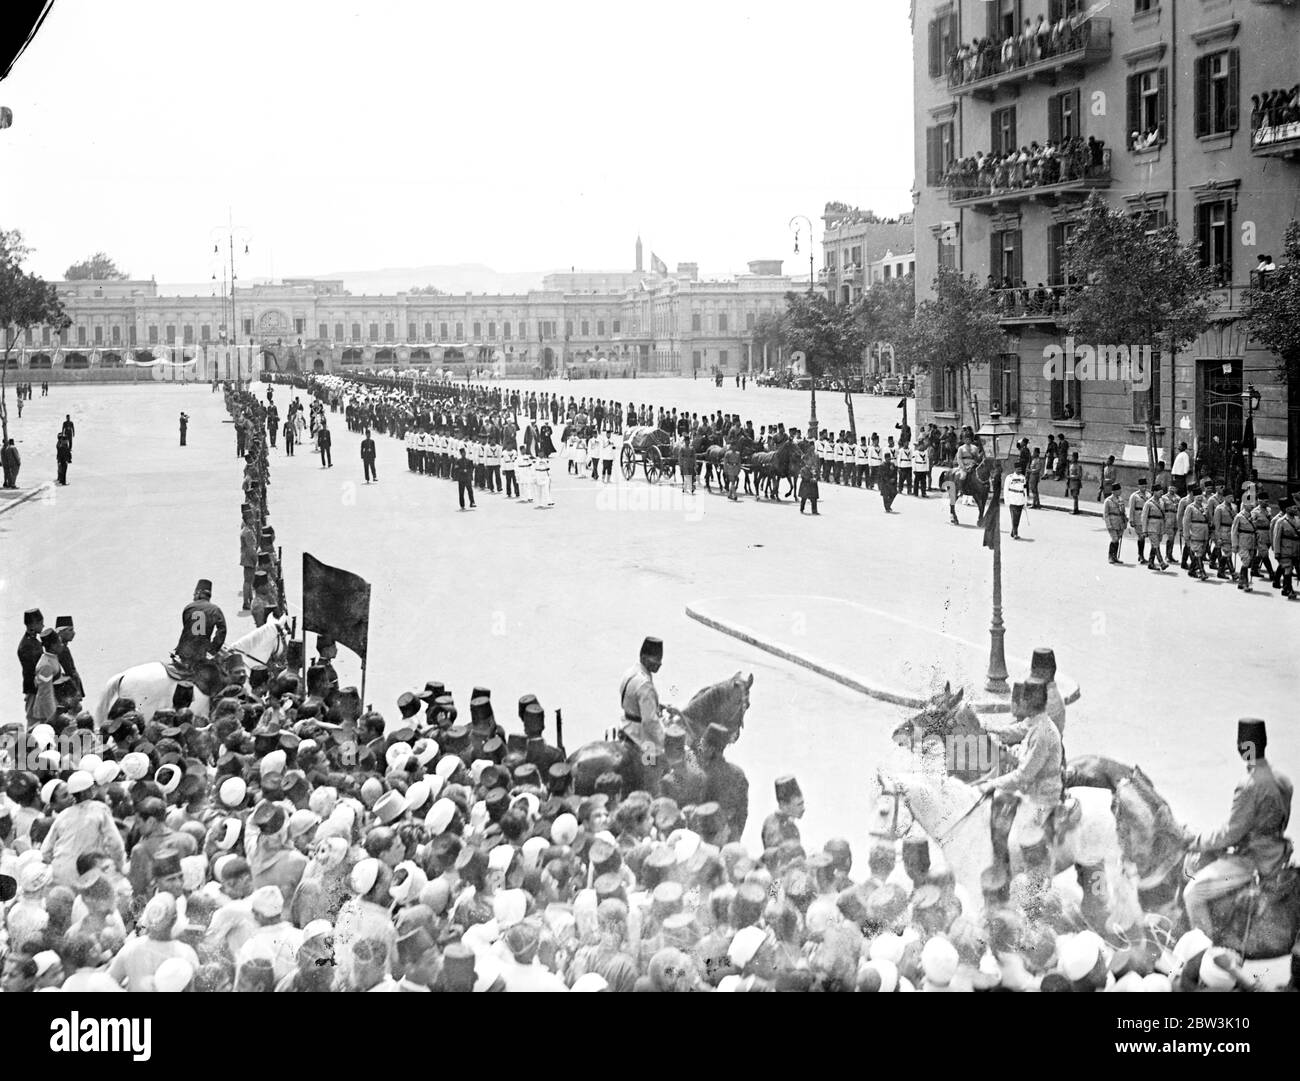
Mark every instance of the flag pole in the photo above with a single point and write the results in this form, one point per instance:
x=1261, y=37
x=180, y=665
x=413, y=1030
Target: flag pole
x=363, y=684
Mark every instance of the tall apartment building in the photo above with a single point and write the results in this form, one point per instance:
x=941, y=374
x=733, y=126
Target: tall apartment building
x=1163, y=106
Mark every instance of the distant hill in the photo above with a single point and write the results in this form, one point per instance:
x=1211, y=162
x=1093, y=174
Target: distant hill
x=461, y=278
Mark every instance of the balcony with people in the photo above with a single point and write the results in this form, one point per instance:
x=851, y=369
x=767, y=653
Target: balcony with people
x=1275, y=123
x=1019, y=304
x=1044, y=51
x=1046, y=173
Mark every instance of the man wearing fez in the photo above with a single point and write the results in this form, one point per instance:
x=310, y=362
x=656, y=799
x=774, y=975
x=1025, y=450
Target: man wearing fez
x=29, y=652
x=67, y=632
x=1037, y=776
x=203, y=627
x=640, y=700
x=782, y=824
x=1261, y=808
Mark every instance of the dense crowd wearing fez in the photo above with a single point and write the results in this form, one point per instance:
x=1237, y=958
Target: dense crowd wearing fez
x=286, y=839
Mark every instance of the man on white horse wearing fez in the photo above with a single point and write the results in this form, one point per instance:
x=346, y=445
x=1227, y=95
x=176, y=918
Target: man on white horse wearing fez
x=1261, y=808
x=203, y=629
x=1036, y=779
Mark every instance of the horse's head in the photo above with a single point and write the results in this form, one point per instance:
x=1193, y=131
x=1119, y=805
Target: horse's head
x=723, y=703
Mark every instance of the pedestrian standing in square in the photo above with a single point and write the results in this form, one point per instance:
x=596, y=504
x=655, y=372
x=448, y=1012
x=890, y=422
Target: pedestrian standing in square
x=887, y=482
x=368, y=457
x=185, y=423
x=464, y=473
x=1014, y=489
x=1074, y=479
x=323, y=443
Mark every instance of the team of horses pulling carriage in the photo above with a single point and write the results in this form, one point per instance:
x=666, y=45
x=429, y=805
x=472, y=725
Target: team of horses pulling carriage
x=655, y=452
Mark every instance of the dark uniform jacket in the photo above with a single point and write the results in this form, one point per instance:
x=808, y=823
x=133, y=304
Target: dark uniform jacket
x=1261, y=809
x=727, y=786
x=203, y=631
x=367, y=450
x=684, y=783
x=29, y=652
x=778, y=827
x=542, y=755
x=70, y=669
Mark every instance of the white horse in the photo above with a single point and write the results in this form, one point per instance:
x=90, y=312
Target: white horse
x=952, y=814
x=151, y=687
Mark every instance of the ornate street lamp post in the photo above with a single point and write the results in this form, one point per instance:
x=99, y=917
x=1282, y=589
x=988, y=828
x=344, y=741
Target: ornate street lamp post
x=997, y=673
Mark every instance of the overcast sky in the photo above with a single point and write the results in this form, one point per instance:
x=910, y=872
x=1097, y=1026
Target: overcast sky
x=522, y=135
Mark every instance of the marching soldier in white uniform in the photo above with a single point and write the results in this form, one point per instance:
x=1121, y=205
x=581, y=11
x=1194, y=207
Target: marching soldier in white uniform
x=494, y=465
x=509, y=458
x=875, y=459
x=542, y=480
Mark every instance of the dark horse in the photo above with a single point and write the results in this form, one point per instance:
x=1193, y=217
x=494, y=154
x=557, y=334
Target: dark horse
x=710, y=455
x=1260, y=921
x=972, y=482
x=723, y=703
x=771, y=466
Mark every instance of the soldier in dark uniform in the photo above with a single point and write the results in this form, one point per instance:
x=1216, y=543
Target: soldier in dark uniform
x=326, y=651
x=684, y=781
x=725, y=783
x=67, y=632
x=185, y=423
x=203, y=627
x=248, y=556
x=63, y=457
x=29, y=652
x=782, y=824
x=368, y=457
x=537, y=751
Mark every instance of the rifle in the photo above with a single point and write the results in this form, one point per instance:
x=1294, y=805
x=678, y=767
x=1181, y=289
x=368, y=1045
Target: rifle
x=559, y=732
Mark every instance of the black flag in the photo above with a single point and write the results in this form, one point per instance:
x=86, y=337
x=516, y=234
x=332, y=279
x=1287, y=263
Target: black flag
x=336, y=603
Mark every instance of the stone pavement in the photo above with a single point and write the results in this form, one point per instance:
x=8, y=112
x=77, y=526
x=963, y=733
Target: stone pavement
x=876, y=653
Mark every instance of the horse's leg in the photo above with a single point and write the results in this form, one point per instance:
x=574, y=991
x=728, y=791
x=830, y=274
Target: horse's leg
x=952, y=504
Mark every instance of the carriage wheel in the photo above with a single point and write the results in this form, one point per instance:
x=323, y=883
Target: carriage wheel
x=627, y=462
x=653, y=464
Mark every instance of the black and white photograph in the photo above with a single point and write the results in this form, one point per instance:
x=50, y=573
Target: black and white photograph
x=714, y=497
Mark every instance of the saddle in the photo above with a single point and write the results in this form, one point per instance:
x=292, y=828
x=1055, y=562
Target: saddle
x=207, y=676
x=1259, y=920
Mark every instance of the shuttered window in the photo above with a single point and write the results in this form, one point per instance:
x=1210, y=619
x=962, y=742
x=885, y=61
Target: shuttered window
x=1148, y=96
x=1063, y=118
x=938, y=153
x=1218, y=90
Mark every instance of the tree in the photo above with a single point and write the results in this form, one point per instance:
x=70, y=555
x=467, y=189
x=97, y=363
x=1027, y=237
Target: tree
x=99, y=267
x=426, y=291
x=886, y=311
x=26, y=300
x=830, y=338
x=1139, y=288
x=955, y=330
x=1272, y=309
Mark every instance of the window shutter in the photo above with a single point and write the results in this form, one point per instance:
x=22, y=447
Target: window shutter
x=1227, y=243
x=1017, y=271
x=995, y=258
x=1203, y=232
x=1076, y=112
x=936, y=64
x=1234, y=89
x=993, y=31
x=1134, y=110
x=1054, y=255
x=1054, y=118
x=936, y=389
x=1202, y=82
x=1011, y=113
x=1163, y=98
x=932, y=156
x=954, y=34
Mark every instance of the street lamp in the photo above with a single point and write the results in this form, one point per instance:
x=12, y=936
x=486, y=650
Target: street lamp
x=997, y=673
x=812, y=384
x=1250, y=399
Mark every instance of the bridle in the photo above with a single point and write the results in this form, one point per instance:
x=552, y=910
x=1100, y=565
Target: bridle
x=281, y=638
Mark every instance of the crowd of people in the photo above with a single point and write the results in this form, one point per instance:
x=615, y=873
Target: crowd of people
x=1275, y=108
x=1031, y=166
x=290, y=840
x=985, y=57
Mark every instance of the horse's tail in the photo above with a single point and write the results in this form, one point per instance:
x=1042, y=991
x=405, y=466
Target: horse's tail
x=112, y=691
